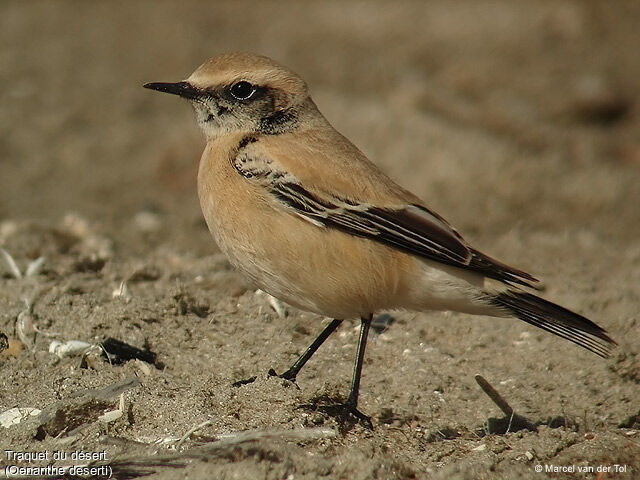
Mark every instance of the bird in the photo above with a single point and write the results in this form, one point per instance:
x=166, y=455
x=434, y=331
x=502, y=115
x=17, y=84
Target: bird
x=309, y=219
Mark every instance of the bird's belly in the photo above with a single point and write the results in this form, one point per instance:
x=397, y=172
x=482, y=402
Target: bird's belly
x=309, y=267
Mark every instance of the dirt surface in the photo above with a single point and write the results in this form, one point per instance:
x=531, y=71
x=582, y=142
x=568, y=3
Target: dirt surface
x=517, y=121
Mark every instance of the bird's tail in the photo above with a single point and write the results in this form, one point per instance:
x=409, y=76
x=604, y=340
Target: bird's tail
x=555, y=319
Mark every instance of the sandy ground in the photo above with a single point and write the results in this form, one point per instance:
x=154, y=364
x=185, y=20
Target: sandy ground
x=517, y=121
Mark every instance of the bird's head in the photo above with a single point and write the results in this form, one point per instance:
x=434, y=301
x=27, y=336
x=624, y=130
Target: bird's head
x=242, y=92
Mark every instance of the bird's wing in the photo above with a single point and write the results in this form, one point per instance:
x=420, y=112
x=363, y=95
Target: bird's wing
x=401, y=224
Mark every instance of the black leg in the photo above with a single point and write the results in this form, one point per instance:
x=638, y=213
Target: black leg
x=357, y=369
x=347, y=411
x=308, y=353
x=304, y=358
x=349, y=408
x=352, y=402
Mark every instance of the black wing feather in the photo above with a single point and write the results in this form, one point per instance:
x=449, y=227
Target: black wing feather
x=557, y=320
x=412, y=229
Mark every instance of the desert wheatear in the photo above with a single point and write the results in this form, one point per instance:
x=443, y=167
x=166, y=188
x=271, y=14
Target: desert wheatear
x=308, y=218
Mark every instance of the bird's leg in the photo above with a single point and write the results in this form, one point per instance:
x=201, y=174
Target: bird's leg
x=347, y=411
x=352, y=401
x=304, y=358
x=308, y=353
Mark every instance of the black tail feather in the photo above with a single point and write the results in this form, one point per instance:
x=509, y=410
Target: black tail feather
x=557, y=320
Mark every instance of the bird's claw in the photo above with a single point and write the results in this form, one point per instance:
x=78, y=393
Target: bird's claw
x=346, y=414
x=246, y=381
x=288, y=375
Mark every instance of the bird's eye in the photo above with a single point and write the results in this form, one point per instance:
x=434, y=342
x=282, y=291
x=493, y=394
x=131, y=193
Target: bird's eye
x=242, y=90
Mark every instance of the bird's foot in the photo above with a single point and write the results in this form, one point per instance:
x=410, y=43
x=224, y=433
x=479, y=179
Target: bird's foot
x=246, y=381
x=345, y=413
x=288, y=375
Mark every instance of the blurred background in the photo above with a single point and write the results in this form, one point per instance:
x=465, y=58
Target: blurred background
x=519, y=122
x=492, y=111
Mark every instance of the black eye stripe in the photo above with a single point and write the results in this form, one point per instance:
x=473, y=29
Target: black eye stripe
x=242, y=90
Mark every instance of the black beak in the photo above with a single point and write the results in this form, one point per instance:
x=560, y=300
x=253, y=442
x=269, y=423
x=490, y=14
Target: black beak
x=182, y=89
